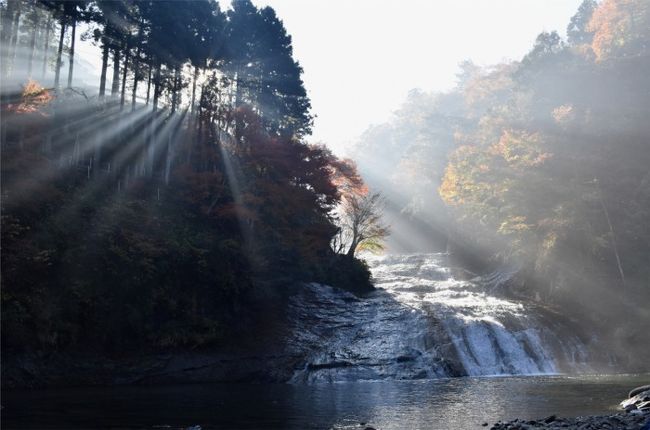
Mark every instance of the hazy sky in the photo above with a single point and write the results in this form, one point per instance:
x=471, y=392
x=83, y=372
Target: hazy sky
x=361, y=57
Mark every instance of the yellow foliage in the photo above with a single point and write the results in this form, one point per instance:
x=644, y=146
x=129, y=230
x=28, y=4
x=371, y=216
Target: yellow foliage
x=463, y=180
x=486, y=85
x=618, y=24
x=33, y=98
x=563, y=114
x=514, y=224
x=520, y=149
x=450, y=185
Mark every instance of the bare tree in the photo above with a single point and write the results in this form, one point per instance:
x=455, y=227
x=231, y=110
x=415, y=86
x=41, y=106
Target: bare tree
x=361, y=226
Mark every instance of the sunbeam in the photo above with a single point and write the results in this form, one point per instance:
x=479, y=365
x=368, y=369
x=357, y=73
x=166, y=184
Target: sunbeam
x=192, y=210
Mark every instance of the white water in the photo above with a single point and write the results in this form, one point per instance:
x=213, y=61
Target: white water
x=424, y=323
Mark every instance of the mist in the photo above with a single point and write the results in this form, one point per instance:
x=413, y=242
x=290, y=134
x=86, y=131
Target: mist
x=540, y=164
x=170, y=215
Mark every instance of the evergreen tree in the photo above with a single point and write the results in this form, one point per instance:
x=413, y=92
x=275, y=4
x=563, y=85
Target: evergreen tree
x=577, y=32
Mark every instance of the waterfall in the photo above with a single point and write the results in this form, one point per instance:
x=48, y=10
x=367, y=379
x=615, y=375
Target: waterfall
x=424, y=323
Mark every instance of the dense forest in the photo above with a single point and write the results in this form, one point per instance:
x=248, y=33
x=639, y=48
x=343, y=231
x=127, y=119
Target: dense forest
x=540, y=164
x=169, y=203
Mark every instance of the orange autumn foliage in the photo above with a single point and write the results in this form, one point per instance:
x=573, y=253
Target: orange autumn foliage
x=619, y=27
x=32, y=99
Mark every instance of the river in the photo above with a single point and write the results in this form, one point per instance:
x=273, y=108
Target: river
x=447, y=403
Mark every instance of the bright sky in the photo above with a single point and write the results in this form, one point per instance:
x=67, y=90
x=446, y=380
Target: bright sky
x=361, y=57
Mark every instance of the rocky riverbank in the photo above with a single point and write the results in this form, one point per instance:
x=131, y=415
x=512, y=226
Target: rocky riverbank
x=635, y=417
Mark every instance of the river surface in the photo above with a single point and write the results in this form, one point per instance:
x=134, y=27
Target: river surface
x=447, y=403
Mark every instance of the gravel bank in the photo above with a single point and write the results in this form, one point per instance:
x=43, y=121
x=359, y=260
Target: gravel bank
x=635, y=417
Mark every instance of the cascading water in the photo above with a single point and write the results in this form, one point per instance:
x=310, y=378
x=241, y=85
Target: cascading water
x=424, y=323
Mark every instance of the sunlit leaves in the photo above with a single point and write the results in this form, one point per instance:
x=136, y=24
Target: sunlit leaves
x=620, y=28
x=564, y=114
x=33, y=99
x=521, y=150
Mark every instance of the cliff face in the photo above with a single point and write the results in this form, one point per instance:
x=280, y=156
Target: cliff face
x=421, y=322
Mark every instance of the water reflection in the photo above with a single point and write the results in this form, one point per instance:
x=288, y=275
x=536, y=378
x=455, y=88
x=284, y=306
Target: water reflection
x=458, y=403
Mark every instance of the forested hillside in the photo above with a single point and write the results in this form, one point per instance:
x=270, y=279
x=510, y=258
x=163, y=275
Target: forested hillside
x=172, y=202
x=541, y=164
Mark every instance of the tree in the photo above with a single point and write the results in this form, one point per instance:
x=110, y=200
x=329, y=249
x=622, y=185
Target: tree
x=179, y=248
x=577, y=32
x=68, y=12
x=11, y=13
x=32, y=25
x=259, y=58
x=75, y=10
x=115, y=21
x=166, y=43
x=620, y=28
x=361, y=226
x=281, y=94
x=207, y=36
x=46, y=44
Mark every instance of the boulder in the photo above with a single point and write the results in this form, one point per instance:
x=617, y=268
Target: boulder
x=640, y=397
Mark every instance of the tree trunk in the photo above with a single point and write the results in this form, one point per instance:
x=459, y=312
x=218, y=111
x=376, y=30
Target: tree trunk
x=102, y=79
x=135, y=67
x=239, y=93
x=156, y=86
x=196, y=75
x=14, y=35
x=46, y=46
x=115, y=85
x=32, y=49
x=148, y=84
x=198, y=119
x=124, y=73
x=356, y=239
x=71, y=66
x=238, y=102
x=613, y=237
x=5, y=36
x=352, y=249
x=59, y=63
x=176, y=90
x=135, y=84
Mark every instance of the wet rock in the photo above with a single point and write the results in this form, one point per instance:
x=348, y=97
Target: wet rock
x=636, y=417
x=643, y=406
x=629, y=408
x=640, y=400
x=550, y=419
x=640, y=420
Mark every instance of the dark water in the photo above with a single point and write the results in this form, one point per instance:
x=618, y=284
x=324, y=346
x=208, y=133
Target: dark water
x=459, y=403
